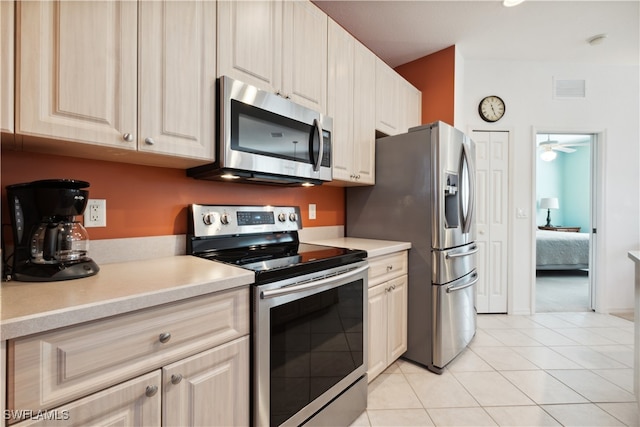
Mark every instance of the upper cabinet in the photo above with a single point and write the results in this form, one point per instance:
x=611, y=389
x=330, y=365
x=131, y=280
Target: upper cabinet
x=278, y=46
x=177, y=78
x=398, y=103
x=410, y=106
x=6, y=65
x=78, y=77
x=387, y=99
x=351, y=103
x=77, y=71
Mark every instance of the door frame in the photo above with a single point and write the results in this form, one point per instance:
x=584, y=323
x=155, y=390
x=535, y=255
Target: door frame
x=596, y=216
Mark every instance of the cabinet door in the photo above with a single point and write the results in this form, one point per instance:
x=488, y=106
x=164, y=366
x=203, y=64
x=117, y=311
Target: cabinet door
x=76, y=71
x=386, y=98
x=397, y=308
x=364, y=114
x=410, y=106
x=6, y=65
x=340, y=99
x=305, y=54
x=131, y=403
x=177, y=62
x=208, y=389
x=377, y=330
x=250, y=42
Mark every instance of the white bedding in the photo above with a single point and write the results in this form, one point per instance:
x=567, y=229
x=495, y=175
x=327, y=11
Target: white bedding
x=557, y=250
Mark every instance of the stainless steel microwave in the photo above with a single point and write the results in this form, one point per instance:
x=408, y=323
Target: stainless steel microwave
x=265, y=138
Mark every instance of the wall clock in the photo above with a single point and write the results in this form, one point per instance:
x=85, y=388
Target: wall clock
x=491, y=108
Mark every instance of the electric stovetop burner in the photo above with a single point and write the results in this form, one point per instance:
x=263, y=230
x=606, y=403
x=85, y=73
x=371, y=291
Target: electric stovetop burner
x=260, y=238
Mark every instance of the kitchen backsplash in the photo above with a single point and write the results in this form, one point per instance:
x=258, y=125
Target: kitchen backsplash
x=107, y=251
x=144, y=201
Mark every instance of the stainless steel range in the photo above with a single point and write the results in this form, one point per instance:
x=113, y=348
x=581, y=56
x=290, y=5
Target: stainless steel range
x=309, y=332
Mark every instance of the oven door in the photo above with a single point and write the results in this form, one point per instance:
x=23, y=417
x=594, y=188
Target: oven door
x=309, y=343
x=266, y=133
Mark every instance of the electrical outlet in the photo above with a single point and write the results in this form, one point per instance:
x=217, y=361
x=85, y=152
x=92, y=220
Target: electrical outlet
x=312, y=211
x=95, y=214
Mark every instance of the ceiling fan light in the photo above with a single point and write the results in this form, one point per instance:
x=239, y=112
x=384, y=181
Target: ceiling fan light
x=548, y=155
x=511, y=3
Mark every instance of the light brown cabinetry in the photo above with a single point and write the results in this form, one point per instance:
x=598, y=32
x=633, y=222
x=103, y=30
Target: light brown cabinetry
x=53, y=368
x=6, y=65
x=388, y=293
x=79, y=86
x=351, y=104
x=277, y=46
x=134, y=402
x=208, y=389
x=398, y=103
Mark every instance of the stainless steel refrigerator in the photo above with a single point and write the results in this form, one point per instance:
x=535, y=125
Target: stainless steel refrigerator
x=425, y=194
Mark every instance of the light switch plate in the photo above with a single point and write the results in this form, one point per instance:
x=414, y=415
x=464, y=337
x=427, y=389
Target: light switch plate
x=312, y=211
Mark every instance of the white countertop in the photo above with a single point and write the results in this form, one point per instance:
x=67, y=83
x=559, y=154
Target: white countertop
x=32, y=307
x=635, y=255
x=373, y=247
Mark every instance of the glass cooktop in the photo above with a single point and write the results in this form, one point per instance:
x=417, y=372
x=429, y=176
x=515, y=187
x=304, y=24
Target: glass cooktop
x=279, y=262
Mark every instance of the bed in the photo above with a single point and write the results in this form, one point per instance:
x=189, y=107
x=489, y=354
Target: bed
x=557, y=250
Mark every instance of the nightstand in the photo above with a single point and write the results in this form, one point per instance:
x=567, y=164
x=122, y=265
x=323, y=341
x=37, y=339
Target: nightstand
x=565, y=229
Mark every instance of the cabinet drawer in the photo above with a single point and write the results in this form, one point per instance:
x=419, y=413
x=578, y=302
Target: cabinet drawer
x=55, y=367
x=387, y=267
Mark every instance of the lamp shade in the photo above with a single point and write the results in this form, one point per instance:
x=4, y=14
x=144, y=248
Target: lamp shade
x=549, y=203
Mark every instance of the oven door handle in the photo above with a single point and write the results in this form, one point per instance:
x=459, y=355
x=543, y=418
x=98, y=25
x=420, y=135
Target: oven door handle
x=272, y=293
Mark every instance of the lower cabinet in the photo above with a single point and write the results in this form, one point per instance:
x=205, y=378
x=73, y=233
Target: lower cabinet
x=388, y=294
x=134, y=402
x=179, y=364
x=208, y=389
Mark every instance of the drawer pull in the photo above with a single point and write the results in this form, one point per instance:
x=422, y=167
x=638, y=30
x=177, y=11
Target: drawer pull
x=389, y=268
x=151, y=390
x=176, y=378
x=165, y=337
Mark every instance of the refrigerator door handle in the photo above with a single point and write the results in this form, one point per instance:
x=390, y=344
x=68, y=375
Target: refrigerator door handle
x=473, y=250
x=468, y=218
x=453, y=288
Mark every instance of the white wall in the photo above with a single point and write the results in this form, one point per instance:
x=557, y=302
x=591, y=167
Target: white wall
x=611, y=108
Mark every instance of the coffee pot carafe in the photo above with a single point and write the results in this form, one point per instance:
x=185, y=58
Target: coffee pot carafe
x=49, y=244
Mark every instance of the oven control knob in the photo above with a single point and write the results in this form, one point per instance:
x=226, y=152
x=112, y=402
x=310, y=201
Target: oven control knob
x=282, y=217
x=224, y=219
x=293, y=216
x=207, y=218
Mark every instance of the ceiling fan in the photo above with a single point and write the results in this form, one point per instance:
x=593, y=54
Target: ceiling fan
x=565, y=147
x=549, y=148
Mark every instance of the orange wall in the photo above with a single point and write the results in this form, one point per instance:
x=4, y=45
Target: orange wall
x=152, y=201
x=433, y=75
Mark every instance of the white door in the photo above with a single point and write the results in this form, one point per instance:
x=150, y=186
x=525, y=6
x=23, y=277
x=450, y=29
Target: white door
x=492, y=219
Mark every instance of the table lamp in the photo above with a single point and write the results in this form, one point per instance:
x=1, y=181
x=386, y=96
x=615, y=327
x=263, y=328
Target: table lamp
x=549, y=203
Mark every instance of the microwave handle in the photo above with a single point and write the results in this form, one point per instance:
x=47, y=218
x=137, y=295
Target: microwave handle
x=318, y=126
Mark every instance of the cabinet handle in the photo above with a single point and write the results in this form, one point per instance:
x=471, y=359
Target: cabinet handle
x=176, y=378
x=151, y=390
x=389, y=268
x=165, y=337
x=149, y=141
x=128, y=137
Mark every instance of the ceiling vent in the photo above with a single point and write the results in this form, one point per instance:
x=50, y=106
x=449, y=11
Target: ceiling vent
x=569, y=89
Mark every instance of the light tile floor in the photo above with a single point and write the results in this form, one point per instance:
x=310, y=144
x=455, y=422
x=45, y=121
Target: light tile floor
x=549, y=369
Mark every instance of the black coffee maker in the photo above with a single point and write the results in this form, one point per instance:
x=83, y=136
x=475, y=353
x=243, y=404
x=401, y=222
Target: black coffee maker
x=49, y=244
